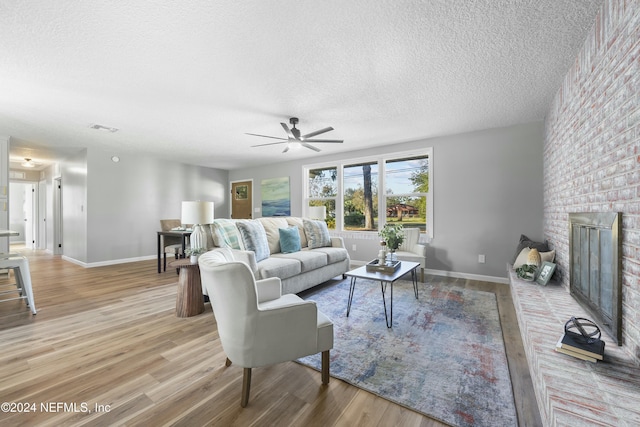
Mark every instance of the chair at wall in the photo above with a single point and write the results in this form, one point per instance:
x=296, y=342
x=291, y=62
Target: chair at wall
x=411, y=250
x=257, y=325
x=172, y=245
x=20, y=266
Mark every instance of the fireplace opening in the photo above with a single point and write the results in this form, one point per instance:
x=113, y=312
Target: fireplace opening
x=595, y=267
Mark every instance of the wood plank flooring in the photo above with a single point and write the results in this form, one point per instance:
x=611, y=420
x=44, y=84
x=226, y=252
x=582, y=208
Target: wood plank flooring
x=107, y=349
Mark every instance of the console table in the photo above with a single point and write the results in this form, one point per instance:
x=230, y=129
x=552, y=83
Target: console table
x=183, y=234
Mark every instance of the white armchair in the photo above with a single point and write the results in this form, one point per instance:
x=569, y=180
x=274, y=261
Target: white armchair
x=257, y=325
x=411, y=250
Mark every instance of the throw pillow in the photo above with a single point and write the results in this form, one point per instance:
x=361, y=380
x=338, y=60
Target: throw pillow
x=526, y=242
x=254, y=238
x=317, y=233
x=225, y=233
x=289, y=240
x=524, y=255
x=298, y=222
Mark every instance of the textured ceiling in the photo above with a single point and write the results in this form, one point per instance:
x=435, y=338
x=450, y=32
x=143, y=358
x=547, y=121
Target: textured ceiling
x=187, y=80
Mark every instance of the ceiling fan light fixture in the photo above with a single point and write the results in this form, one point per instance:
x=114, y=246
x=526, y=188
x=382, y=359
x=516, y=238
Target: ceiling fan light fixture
x=294, y=139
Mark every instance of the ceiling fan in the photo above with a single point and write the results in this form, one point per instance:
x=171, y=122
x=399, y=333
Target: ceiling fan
x=294, y=137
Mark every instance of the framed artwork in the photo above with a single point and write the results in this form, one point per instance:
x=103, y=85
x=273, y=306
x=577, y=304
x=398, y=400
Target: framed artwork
x=546, y=271
x=276, y=197
x=242, y=192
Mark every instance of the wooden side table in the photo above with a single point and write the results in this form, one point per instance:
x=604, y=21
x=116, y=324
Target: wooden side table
x=190, y=301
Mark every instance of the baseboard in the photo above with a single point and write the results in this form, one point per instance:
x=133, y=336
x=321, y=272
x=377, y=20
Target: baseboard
x=479, y=277
x=110, y=262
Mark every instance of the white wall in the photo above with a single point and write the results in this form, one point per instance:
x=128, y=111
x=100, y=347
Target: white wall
x=112, y=211
x=74, y=206
x=488, y=189
x=126, y=200
x=16, y=210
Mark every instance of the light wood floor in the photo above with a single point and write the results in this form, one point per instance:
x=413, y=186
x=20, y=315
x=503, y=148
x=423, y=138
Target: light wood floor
x=108, y=336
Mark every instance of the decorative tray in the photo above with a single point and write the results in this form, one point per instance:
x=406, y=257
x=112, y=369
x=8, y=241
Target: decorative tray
x=389, y=267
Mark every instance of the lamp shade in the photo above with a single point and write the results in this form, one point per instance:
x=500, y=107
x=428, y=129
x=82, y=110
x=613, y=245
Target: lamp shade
x=317, y=212
x=197, y=212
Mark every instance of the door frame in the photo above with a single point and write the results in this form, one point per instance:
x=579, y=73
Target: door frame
x=57, y=216
x=231, y=195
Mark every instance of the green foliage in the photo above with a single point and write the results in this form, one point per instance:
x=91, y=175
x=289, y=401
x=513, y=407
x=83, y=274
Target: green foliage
x=195, y=251
x=392, y=234
x=526, y=271
x=354, y=219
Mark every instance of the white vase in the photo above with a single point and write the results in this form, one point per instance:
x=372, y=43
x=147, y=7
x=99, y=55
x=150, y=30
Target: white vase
x=194, y=259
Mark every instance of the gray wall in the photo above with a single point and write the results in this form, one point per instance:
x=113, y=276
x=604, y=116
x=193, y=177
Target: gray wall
x=111, y=211
x=74, y=204
x=487, y=187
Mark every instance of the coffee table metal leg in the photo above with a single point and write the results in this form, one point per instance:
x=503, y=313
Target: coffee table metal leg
x=352, y=287
x=414, y=279
x=388, y=319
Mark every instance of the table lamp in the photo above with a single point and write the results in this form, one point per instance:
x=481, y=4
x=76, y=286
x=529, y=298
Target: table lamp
x=197, y=213
x=317, y=212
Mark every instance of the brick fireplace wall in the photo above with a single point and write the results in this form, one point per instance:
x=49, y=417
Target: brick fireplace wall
x=592, y=148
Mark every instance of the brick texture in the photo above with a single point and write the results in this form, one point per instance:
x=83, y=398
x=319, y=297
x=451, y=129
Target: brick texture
x=592, y=148
x=591, y=164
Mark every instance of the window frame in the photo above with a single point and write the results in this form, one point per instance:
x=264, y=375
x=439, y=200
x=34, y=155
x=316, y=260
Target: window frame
x=381, y=160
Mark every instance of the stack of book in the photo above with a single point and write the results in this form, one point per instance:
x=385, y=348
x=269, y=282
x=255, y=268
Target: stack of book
x=574, y=345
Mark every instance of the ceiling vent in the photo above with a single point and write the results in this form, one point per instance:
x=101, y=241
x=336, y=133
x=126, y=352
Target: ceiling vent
x=103, y=128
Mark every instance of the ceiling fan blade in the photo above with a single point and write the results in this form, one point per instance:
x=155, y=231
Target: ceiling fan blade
x=318, y=132
x=288, y=131
x=337, y=141
x=304, y=144
x=270, y=143
x=266, y=136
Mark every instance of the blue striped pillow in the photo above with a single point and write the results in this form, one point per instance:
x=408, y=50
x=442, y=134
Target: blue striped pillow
x=225, y=233
x=317, y=233
x=254, y=238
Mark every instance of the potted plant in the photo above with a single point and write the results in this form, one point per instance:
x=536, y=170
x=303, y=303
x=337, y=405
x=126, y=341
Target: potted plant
x=527, y=272
x=392, y=235
x=193, y=254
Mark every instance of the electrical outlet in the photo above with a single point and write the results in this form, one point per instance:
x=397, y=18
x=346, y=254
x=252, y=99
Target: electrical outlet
x=353, y=248
x=481, y=258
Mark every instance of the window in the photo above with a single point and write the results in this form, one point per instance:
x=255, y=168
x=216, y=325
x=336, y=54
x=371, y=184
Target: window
x=322, y=190
x=360, y=195
x=407, y=186
x=364, y=194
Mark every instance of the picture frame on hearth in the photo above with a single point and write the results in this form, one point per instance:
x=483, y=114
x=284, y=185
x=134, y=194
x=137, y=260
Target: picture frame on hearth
x=545, y=272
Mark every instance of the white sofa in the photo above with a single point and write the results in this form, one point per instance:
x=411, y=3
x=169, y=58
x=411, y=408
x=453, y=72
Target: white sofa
x=299, y=270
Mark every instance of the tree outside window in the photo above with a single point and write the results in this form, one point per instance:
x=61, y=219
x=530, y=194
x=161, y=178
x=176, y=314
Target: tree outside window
x=360, y=209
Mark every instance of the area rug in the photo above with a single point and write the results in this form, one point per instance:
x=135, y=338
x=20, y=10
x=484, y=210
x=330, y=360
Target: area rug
x=443, y=357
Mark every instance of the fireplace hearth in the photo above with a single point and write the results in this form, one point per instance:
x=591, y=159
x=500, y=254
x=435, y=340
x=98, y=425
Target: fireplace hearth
x=595, y=267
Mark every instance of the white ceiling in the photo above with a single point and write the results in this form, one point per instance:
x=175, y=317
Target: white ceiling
x=187, y=80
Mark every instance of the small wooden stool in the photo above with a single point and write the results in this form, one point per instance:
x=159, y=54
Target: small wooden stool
x=190, y=301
